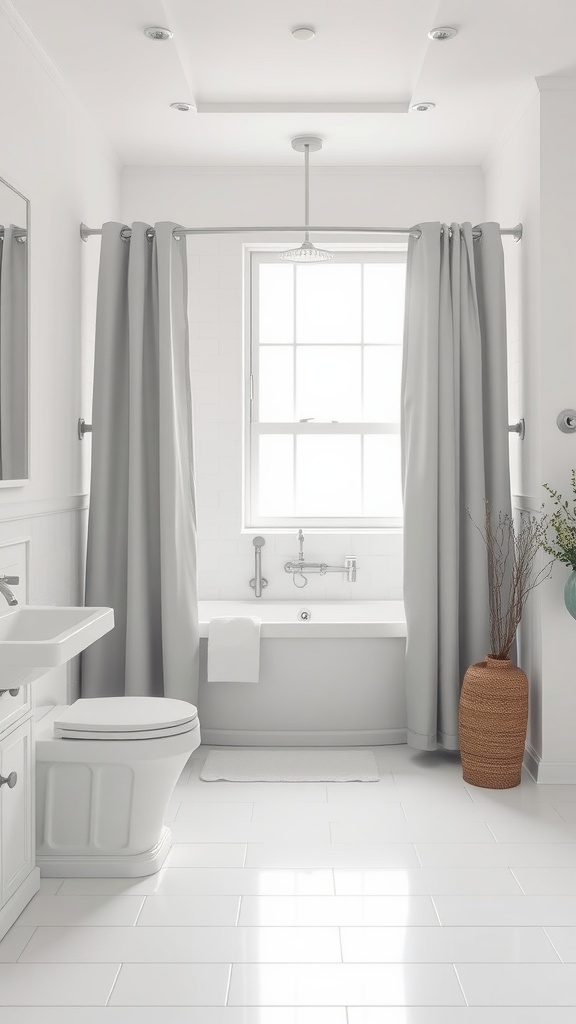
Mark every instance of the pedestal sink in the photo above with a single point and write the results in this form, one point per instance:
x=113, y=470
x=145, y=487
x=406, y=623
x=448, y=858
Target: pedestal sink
x=34, y=640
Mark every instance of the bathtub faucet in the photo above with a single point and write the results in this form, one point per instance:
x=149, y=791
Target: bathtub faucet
x=301, y=569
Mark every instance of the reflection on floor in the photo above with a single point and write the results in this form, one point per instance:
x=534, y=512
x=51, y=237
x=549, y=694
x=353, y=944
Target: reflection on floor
x=413, y=900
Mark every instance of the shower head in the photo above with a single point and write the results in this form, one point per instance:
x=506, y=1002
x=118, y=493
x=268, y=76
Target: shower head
x=306, y=253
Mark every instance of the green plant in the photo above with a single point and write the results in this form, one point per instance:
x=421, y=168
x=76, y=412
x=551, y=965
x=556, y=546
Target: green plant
x=563, y=525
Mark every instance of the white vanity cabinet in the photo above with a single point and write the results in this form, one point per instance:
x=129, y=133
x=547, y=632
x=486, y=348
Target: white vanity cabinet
x=33, y=640
x=14, y=704
x=19, y=877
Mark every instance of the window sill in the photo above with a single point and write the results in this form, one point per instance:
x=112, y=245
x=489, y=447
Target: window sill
x=332, y=530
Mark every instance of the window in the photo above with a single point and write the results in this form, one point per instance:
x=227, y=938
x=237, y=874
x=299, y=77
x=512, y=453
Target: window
x=323, y=391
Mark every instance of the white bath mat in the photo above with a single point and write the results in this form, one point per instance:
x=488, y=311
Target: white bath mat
x=295, y=765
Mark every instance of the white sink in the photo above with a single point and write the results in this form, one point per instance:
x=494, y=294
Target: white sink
x=35, y=639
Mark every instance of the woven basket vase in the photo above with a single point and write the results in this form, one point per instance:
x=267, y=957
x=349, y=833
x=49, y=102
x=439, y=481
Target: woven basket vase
x=493, y=718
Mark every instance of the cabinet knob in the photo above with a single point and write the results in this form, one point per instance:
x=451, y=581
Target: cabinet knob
x=9, y=780
x=13, y=693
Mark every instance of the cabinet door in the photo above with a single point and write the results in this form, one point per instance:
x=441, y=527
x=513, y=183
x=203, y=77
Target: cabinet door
x=13, y=705
x=16, y=829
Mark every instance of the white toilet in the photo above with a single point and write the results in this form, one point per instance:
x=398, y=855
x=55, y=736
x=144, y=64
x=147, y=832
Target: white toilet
x=105, y=771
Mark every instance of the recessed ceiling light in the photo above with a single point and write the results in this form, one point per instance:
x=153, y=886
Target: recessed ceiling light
x=184, y=107
x=425, y=105
x=303, y=32
x=155, y=32
x=443, y=33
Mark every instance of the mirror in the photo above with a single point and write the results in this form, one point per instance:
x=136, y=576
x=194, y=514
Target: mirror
x=14, y=227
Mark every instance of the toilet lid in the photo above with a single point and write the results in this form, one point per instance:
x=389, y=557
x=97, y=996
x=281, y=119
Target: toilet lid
x=125, y=718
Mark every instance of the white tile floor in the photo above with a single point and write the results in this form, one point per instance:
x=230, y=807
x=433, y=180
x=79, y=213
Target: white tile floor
x=414, y=900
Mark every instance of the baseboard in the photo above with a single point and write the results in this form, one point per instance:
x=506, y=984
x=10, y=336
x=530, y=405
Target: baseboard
x=11, y=910
x=278, y=738
x=135, y=866
x=549, y=772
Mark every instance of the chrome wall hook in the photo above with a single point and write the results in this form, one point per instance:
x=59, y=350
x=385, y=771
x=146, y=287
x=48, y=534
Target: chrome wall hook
x=518, y=428
x=566, y=421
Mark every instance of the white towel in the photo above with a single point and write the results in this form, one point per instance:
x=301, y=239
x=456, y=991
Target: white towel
x=234, y=649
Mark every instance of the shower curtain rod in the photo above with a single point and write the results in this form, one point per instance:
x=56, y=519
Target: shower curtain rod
x=86, y=232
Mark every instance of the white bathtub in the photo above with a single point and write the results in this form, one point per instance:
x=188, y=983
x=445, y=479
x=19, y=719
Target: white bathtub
x=336, y=679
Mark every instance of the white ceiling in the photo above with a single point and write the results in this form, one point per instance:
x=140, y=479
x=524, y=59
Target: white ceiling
x=235, y=52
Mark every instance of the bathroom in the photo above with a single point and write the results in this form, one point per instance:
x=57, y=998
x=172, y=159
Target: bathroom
x=408, y=900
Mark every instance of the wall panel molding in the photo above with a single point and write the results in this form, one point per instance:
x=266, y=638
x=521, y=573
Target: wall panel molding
x=11, y=511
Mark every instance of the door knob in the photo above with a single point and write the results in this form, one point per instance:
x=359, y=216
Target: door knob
x=13, y=693
x=9, y=780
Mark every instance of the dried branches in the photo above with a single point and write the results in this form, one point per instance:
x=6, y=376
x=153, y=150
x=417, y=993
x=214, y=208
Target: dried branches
x=512, y=575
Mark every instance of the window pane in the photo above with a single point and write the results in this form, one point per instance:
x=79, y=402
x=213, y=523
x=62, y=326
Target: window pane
x=384, y=288
x=328, y=475
x=328, y=382
x=276, y=304
x=382, y=475
x=328, y=304
x=382, y=380
x=276, y=391
x=276, y=475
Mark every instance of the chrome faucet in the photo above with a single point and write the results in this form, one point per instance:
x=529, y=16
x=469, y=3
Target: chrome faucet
x=300, y=568
x=5, y=589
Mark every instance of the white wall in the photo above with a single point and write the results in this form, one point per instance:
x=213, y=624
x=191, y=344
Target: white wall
x=512, y=182
x=531, y=178
x=51, y=153
x=558, y=391
x=268, y=196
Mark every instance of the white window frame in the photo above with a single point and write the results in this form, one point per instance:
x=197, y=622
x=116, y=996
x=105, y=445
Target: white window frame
x=268, y=253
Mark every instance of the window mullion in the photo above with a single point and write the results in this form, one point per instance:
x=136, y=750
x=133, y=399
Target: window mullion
x=327, y=428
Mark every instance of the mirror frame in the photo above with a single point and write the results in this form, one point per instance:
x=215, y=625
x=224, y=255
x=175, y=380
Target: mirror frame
x=23, y=481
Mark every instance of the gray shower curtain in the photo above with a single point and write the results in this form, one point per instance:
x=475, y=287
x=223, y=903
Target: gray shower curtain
x=454, y=455
x=141, y=556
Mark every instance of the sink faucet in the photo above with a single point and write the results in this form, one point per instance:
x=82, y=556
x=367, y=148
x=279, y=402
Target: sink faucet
x=5, y=589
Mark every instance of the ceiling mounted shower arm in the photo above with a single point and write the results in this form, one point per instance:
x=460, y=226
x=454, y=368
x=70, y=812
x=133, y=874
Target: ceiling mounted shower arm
x=306, y=191
x=307, y=252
